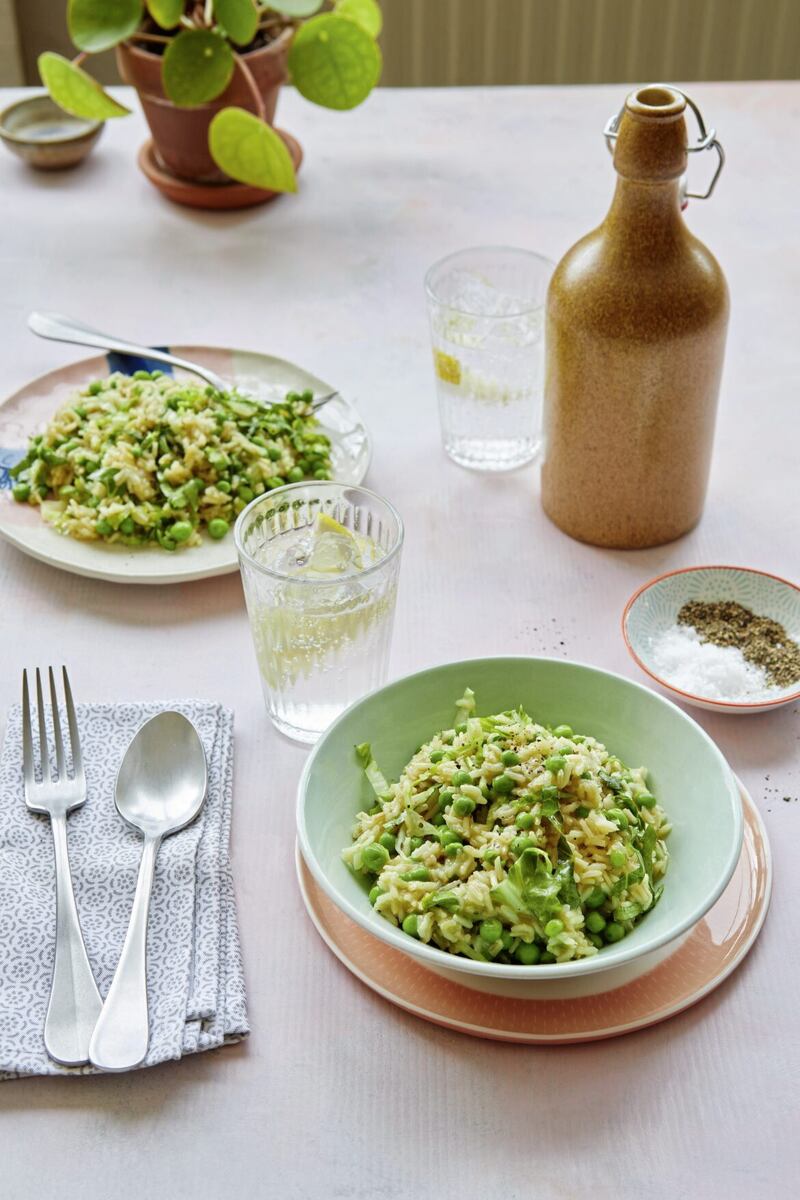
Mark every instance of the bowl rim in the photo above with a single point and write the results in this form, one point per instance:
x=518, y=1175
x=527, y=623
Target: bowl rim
x=722, y=705
x=89, y=130
x=582, y=966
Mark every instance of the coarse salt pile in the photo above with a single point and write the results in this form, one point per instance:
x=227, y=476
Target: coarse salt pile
x=684, y=660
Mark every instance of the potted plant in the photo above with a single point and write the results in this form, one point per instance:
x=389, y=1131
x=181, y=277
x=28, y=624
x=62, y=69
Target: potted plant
x=208, y=73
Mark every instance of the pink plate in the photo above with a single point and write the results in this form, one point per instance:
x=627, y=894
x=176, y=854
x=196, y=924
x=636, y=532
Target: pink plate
x=712, y=951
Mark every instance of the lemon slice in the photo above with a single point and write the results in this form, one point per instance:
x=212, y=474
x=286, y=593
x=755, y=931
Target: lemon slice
x=335, y=550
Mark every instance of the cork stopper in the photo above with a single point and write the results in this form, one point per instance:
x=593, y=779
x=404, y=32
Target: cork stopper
x=651, y=142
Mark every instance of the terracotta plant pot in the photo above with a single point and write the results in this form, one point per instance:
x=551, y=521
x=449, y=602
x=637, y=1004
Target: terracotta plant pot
x=181, y=134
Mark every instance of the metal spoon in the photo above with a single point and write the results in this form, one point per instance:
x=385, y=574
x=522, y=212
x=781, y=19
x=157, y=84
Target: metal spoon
x=161, y=787
x=59, y=328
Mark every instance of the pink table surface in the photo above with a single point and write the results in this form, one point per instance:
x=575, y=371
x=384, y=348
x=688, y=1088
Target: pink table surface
x=337, y=1094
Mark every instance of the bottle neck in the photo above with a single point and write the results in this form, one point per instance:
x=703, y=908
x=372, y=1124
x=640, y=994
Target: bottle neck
x=646, y=215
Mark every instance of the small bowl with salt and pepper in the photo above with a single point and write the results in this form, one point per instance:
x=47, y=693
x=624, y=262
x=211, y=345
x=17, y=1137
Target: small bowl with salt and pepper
x=726, y=639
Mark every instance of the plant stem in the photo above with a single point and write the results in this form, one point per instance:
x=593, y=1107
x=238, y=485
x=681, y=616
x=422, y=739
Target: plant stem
x=79, y=59
x=247, y=75
x=140, y=36
x=208, y=13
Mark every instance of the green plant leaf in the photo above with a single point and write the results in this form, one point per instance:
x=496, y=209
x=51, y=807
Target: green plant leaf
x=249, y=150
x=334, y=62
x=296, y=8
x=239, y=19
x=198, y=66
x=96, y=25
x=75, y=91
x=366, y=13
x=166, y=13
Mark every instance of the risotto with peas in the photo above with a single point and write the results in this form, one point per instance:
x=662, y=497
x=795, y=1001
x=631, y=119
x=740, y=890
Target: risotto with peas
x=508, y=841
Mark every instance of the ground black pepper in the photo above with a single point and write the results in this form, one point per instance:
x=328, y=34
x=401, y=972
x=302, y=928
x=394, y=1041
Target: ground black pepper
x=762, y=641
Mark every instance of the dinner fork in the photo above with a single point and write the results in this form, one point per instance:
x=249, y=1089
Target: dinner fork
x=75, y=1002
x=59, y=328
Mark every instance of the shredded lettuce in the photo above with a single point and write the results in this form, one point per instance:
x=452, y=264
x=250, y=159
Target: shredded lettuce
x=531, y=886
x=373, y=772
x=465, y=707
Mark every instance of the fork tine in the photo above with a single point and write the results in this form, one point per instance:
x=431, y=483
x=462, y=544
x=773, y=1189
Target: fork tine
x=61, y=762
x=45, y=756
x=27, y=740
x=75, y=742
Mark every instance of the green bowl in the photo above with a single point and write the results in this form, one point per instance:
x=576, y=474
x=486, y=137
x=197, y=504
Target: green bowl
x=688, y=774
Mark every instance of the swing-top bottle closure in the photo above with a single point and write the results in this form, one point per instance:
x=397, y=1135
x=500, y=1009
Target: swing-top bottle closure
x=640, y=100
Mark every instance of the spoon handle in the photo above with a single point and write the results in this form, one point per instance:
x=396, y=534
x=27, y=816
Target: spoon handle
x=120, y=1037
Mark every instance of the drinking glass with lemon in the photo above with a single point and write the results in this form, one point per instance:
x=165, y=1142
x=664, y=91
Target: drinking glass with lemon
x=319, y=564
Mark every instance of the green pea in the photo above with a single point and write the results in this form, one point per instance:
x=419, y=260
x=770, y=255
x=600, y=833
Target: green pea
x=180, y=531
x=564, y=731
x=520, y=844
x=555, y=763
x=618, y=816
x=374, y=857
x=437, y=756
x=595, y=899
x=21, y=491
x=274, y=452
x=321, y=474
x=463, y=806
x=415, y=843
x=418, y=875
x=578, y=738
x=596, y=940
x=547, y=956
x=218, y=528
x=509, y=758
x=554, y=928
x=582, y=811
x=128, y=526
x=275, y=481
x=103, y=527
x=525, y=820
x=461, y=777
x=447, y=837
x=617, y=858
x=454, y=849
x=613, y=932
x=462, y=727
x=595, y=922
x=528, y=954
x=503, y=784
x=410, y=924
x=388, y=842
x=245, y=493
x=437, y=819
x=95, y=388
x=491, y=931
x=374, y=893
x=141, y=374
x=646, y=800
x=445, y=798
x=490, y=854
x=295, y=475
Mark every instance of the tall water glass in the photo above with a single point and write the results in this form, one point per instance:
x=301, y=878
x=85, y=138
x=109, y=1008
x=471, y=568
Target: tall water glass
x=486, y=311
x=320, y=563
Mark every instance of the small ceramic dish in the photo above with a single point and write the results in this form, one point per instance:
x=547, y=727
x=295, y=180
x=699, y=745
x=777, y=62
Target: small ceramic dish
x=686, y=770
x=655, y=606
x=45, y=136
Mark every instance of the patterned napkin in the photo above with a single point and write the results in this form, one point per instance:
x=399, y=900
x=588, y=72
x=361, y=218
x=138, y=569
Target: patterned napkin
x=196, y=995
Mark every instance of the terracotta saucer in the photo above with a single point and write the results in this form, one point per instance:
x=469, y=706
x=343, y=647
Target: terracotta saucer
x=209, y=195
x=714, y=949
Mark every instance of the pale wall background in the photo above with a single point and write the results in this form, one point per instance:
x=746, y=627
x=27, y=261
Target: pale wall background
x=451, y=42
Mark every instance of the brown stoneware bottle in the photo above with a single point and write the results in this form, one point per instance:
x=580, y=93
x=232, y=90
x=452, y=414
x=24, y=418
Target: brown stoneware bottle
x=637, y=313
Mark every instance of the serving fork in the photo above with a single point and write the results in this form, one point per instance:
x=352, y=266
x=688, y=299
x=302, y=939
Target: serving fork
x=75, y=1003
x=59, y=328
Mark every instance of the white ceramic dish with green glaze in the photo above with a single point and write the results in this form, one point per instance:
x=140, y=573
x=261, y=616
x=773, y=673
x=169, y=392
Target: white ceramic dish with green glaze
x=654, y=608
x=687, y=773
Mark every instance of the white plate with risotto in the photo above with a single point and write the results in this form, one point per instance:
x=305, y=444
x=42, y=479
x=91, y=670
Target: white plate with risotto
x=118, y=500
